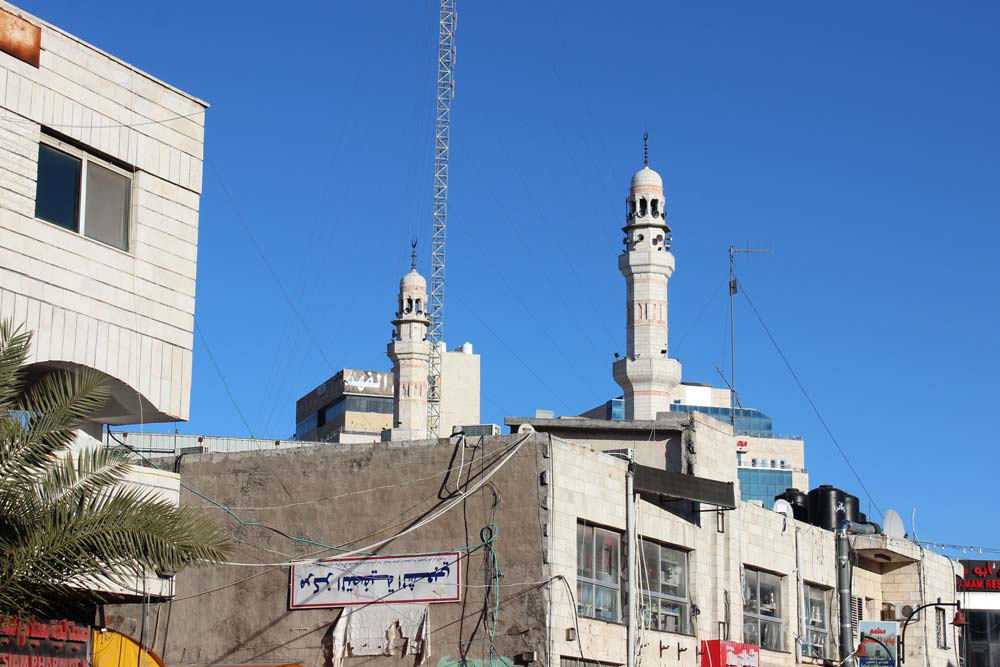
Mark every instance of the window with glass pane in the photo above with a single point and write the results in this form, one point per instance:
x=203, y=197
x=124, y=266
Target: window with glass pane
x=762, y=610
x=665, y=603
x=107, y=205
x=817, y=639
x=57, y=199
x=598, y=553
x=82, y=193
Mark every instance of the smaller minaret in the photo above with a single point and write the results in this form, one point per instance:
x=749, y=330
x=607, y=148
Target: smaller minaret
x=410, y=353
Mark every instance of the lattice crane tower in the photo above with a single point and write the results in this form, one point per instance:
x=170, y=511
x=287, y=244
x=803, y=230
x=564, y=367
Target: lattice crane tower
x=442, y=135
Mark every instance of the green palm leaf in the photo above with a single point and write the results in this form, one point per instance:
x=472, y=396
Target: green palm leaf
x=69, y=522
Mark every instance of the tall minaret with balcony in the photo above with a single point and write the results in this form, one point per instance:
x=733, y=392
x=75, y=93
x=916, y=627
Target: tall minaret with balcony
x=410, y=353
x=646, y=374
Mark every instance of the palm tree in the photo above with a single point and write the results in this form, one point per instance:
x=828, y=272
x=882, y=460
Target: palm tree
x=67, y=520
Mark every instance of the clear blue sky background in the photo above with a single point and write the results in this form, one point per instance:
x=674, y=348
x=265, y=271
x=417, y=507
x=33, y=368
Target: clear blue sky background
x=858, y=141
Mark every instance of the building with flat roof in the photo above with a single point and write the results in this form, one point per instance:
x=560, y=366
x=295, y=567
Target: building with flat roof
x=580, y=541
x=101, y=169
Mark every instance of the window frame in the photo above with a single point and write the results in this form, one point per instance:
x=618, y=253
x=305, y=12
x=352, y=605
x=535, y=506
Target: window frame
x=645, y=592
x=85, y=157
x=941, y=628
x=592, y=583
x=755, y=616
x=822, y=630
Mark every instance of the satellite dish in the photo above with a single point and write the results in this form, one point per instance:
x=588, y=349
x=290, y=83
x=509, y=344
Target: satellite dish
x=893, y=525
x=525, y=428
x=782, y=506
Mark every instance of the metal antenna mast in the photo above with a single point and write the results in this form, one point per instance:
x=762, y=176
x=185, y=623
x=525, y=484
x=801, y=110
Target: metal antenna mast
x=733, y=286
x=442, y=136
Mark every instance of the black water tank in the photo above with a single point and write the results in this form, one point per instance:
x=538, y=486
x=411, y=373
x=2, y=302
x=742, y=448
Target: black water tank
x=862, y=517
x=827, y=507
x=853, y=508
x=799, y=502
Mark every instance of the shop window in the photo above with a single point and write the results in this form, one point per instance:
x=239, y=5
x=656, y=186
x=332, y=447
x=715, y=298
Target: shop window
x=598, y=574
x=763, y=623
x=664, y=583
x=83, y=193
x=817, y=615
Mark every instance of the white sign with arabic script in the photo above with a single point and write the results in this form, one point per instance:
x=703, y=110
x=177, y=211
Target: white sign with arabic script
x=345, y=582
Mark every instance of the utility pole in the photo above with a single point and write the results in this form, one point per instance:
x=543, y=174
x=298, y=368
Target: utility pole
x=442, y=141
x=631, y=569
x=733, y=287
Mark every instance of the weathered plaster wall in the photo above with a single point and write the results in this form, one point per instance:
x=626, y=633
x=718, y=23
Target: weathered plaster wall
x=353, y=495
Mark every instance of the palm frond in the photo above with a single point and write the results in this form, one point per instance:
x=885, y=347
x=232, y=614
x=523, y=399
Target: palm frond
x=69, y=519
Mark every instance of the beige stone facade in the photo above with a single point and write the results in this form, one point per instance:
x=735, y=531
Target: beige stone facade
x=126, y=311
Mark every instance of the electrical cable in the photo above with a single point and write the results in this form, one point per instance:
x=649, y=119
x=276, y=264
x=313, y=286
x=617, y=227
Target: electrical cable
x=267, y=264
x=360, y=492
x=223, y=378
x=557, y=395
x=368, y=550
x=325, y=547
x=107, y=126
x=805, y=393
x=514, y=447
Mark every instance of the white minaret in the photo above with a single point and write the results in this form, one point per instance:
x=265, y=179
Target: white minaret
x=646, y=374
x=410, y=353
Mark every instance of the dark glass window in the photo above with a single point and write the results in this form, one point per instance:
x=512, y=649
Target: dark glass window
x=57, y=199
x=101, y=213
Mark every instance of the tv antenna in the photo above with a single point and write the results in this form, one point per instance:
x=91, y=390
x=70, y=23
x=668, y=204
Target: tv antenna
x=733, y=287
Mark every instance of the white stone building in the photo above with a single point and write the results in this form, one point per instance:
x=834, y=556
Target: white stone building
x=100, y=180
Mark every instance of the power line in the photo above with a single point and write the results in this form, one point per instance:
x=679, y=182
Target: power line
x=267, y=264
x=105, y=126
x=223, y=378
x=805, y=393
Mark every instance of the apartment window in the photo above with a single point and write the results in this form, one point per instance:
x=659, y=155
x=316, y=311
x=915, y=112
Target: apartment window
x=664, y=584
x=941, y=623
x=817, y=639
x=82, y=193
x=762, y=620
x=598, y=585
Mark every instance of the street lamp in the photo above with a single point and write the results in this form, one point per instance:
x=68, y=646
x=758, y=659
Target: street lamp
x=959, y=621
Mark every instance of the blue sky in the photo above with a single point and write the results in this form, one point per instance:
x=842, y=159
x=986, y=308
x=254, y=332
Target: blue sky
x=856, y=141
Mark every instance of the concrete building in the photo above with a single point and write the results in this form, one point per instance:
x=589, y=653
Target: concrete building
x=100, y=179
x=979, y=593
x=367, y=406
x=768, y=463
x=102, y=167
x=351, y=406
x=555, y=545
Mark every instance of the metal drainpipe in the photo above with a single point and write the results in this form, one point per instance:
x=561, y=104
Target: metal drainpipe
x=844, y=591
x=803, y=626
x=632, y=539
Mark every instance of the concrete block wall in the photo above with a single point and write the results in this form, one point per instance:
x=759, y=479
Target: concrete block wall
x=129, y=314
x=589, y=486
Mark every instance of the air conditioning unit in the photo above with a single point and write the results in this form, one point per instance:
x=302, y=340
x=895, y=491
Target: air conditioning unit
x=479, y=430
x=899, y=612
